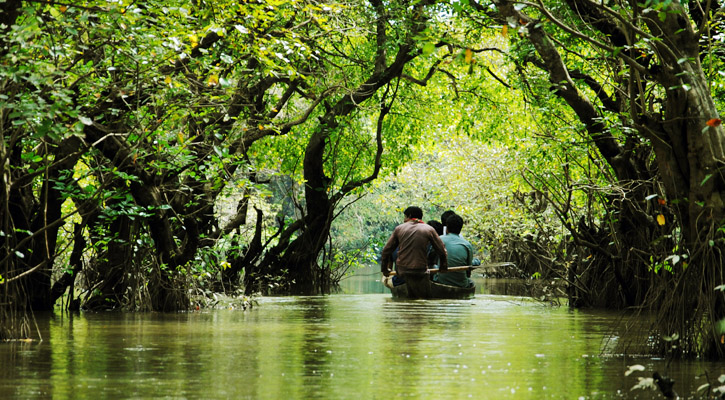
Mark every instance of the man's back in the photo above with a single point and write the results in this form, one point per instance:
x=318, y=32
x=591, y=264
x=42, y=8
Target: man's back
x=412, y=240
x=460, y=253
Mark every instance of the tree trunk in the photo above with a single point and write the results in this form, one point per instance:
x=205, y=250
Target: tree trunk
x=67, y=280
x=111, y=267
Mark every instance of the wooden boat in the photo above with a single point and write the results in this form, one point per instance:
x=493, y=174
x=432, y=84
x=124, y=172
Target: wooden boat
x=421, y=289
x=424, y=288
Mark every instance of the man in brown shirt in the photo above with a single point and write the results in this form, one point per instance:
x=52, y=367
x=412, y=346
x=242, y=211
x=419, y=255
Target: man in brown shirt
x=411, y=238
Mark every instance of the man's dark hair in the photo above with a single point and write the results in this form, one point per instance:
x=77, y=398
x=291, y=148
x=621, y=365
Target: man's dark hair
x=454, y=223
x=413, y=212
x=436, y=225
x=445, y=215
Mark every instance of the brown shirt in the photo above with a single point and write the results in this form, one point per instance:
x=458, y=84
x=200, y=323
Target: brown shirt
x=412, y=239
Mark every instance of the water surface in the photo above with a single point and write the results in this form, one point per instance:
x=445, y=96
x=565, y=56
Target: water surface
x=342, y=346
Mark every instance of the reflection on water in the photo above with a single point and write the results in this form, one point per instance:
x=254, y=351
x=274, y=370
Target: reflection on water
x=360, y=346
x=367, y=280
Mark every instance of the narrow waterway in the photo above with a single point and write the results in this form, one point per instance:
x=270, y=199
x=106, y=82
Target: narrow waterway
x=350, y=345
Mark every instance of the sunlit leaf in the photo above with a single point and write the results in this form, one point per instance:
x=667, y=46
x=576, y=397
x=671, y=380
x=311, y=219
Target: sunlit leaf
x=661, y=220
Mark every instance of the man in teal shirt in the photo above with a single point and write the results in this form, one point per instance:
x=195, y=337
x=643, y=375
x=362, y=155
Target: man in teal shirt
x=460, y=253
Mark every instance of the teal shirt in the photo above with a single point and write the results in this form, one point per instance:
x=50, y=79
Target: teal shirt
x=460, y=253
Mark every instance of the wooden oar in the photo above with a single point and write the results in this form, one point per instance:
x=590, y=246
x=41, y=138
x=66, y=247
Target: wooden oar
x=451, y=269
x=467, y=267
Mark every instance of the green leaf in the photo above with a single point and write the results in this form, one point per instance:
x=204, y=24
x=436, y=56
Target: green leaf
x=428, y=48
x=675, y=336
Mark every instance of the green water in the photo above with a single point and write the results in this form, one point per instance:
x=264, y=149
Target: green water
x=343, y=346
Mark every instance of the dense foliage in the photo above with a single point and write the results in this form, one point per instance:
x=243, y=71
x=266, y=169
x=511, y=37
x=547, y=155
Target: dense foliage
x=132, y=120
x=154, y=150
x=630, y=84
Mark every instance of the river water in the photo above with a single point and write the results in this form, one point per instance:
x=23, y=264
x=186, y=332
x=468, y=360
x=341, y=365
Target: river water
x=359, y=344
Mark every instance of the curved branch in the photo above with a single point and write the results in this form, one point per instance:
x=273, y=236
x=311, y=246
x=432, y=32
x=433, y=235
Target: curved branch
x=384, y=110
x=566, y=89
x=453, y=80
x=255, y=133
x=529, y=22
x=496, y=77
x=424, y=81
x=381, y=35
x=608, y=102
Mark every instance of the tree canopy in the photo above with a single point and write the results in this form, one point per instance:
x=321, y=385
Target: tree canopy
x=126, y=127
